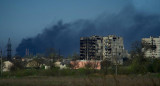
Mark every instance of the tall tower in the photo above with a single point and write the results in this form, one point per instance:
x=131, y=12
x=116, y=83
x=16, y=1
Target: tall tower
x=9, y=49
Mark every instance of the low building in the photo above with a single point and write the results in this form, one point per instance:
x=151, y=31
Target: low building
x=7, y=66
x=47, y=67
x=33, y=64
x=60, y=65
x=91, y=64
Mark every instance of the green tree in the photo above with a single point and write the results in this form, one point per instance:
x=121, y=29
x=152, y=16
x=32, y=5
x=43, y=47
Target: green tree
x=139, y=62
x=89, y=65
x=74, y=57
x=18, y=65
x=156, y=65
x=105, y=64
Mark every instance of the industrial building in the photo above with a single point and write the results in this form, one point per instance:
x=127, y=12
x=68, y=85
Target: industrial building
x=99, y=48
x=154, y=50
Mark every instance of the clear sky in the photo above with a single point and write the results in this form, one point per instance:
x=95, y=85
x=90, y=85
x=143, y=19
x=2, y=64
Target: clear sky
x=26, y=18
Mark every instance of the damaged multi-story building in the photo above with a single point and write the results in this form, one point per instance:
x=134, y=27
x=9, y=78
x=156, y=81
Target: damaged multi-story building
x=113, y=49
x=91, y=48
x=100, y=48
x=154, y=51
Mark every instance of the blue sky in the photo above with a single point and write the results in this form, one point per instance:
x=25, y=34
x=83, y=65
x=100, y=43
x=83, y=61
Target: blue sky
x=26, y=18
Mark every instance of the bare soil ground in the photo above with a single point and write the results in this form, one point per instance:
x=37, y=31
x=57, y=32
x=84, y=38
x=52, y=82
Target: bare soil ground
x=108, y=80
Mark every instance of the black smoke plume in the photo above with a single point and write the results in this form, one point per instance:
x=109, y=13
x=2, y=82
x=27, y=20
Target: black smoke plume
x=129, y=23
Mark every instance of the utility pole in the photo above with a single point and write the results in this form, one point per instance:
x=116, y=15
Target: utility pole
x=153, y=48
x=9, y=50
x=116, y=61
x=59, y=54
x=1, y=62
x=87, y=48
x=115, y=55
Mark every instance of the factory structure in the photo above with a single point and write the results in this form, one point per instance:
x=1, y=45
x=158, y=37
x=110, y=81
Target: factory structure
x=154, y=50
x=109, y=48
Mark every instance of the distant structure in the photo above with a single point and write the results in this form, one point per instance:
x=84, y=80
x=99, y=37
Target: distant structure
x=27, y=52
x=100, y=48
x=154, y=52
x=9, y=49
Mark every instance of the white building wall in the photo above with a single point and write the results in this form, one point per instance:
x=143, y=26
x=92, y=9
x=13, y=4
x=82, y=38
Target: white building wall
x=153, y=53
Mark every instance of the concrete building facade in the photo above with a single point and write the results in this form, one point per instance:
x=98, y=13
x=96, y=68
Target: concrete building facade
x=113, y=49
x=99, y=48
x=91, y=48
x=154, y=52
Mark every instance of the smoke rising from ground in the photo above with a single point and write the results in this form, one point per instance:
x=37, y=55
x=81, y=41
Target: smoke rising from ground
x=129, y=23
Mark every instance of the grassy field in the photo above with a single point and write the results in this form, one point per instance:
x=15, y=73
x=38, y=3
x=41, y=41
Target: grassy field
x=108, y=80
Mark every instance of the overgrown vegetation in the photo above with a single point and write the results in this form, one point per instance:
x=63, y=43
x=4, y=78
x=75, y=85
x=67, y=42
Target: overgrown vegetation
x=51, y=72
x=140, y=63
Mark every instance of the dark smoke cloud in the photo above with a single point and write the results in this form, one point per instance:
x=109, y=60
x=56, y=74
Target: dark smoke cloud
x=129, y=23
